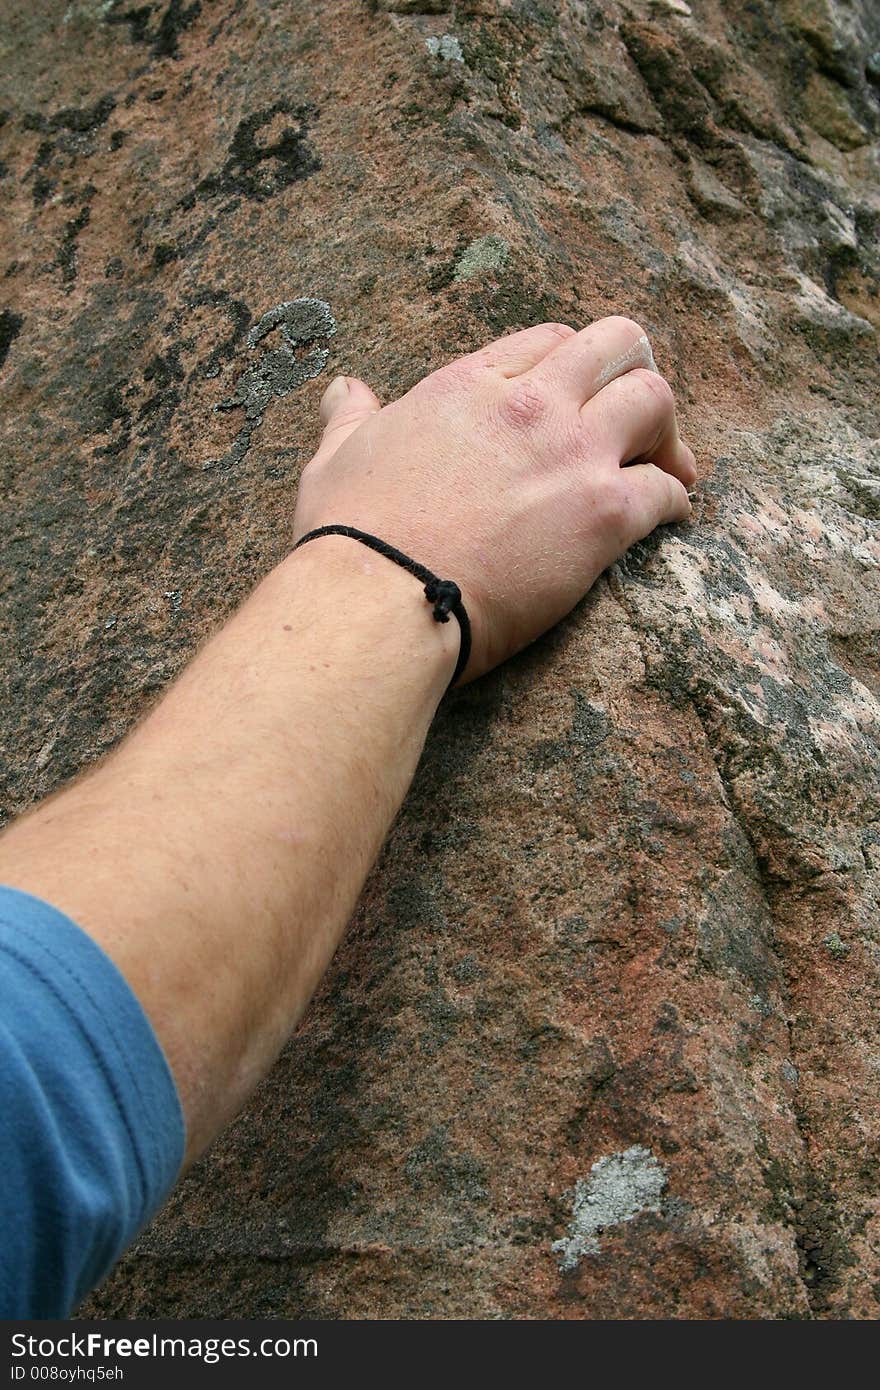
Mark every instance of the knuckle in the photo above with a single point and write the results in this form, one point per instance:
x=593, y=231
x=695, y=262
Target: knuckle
x=522, y=404
x=453, y=376
x=614, y=506
x=311, y=474
x=344, y=422
x=623, y=326
x=438, y=384
x=657, y=385
x=562, y=331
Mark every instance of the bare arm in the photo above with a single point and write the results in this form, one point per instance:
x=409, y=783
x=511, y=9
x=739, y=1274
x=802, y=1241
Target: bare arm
x=218, y=853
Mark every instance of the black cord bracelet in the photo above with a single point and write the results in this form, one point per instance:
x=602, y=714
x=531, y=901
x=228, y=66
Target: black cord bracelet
x=443, y=593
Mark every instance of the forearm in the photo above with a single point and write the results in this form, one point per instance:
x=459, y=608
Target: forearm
x=218, y=854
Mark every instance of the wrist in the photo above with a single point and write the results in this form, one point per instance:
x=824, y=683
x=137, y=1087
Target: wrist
x=364, y=609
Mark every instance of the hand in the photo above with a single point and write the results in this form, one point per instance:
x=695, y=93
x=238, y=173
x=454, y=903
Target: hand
x=505, y=471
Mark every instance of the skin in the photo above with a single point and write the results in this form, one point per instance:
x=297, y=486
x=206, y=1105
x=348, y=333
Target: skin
x=218, y=853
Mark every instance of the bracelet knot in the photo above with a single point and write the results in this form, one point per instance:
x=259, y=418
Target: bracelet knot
x=444, y=594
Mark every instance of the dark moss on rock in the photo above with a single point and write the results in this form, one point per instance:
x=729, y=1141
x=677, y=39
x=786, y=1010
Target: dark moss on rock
x=67, y=258
x=510, y=301
x=79, y=120
x=260, y=167
x=152, y=25
x=10, y=327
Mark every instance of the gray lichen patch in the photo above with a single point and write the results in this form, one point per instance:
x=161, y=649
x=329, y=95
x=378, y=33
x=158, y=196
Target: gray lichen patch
x=300, y=321
x=620, y=1187
x=303, y=325
x=486, y=253
x=446, y=47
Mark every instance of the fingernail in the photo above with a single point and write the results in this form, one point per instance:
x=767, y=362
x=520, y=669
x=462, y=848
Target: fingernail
x=334, y=396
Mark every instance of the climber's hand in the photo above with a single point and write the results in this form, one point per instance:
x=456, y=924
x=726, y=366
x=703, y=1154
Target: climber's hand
x=505, y=471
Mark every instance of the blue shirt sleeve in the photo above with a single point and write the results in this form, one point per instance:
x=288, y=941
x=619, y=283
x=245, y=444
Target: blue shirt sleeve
x=91, y=1130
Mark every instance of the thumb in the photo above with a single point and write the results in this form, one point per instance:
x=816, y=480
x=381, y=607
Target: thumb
x=345, y=405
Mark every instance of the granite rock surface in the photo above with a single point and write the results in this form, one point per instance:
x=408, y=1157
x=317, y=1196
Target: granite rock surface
x=603, y=1039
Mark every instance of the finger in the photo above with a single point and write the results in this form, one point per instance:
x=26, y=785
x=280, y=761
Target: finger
x=634, y=418
x=648, y=497
x=345, y=405
x=587, y=361
x=519, y=352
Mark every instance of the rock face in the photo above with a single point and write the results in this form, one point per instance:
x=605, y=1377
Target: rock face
x=604, y=1037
